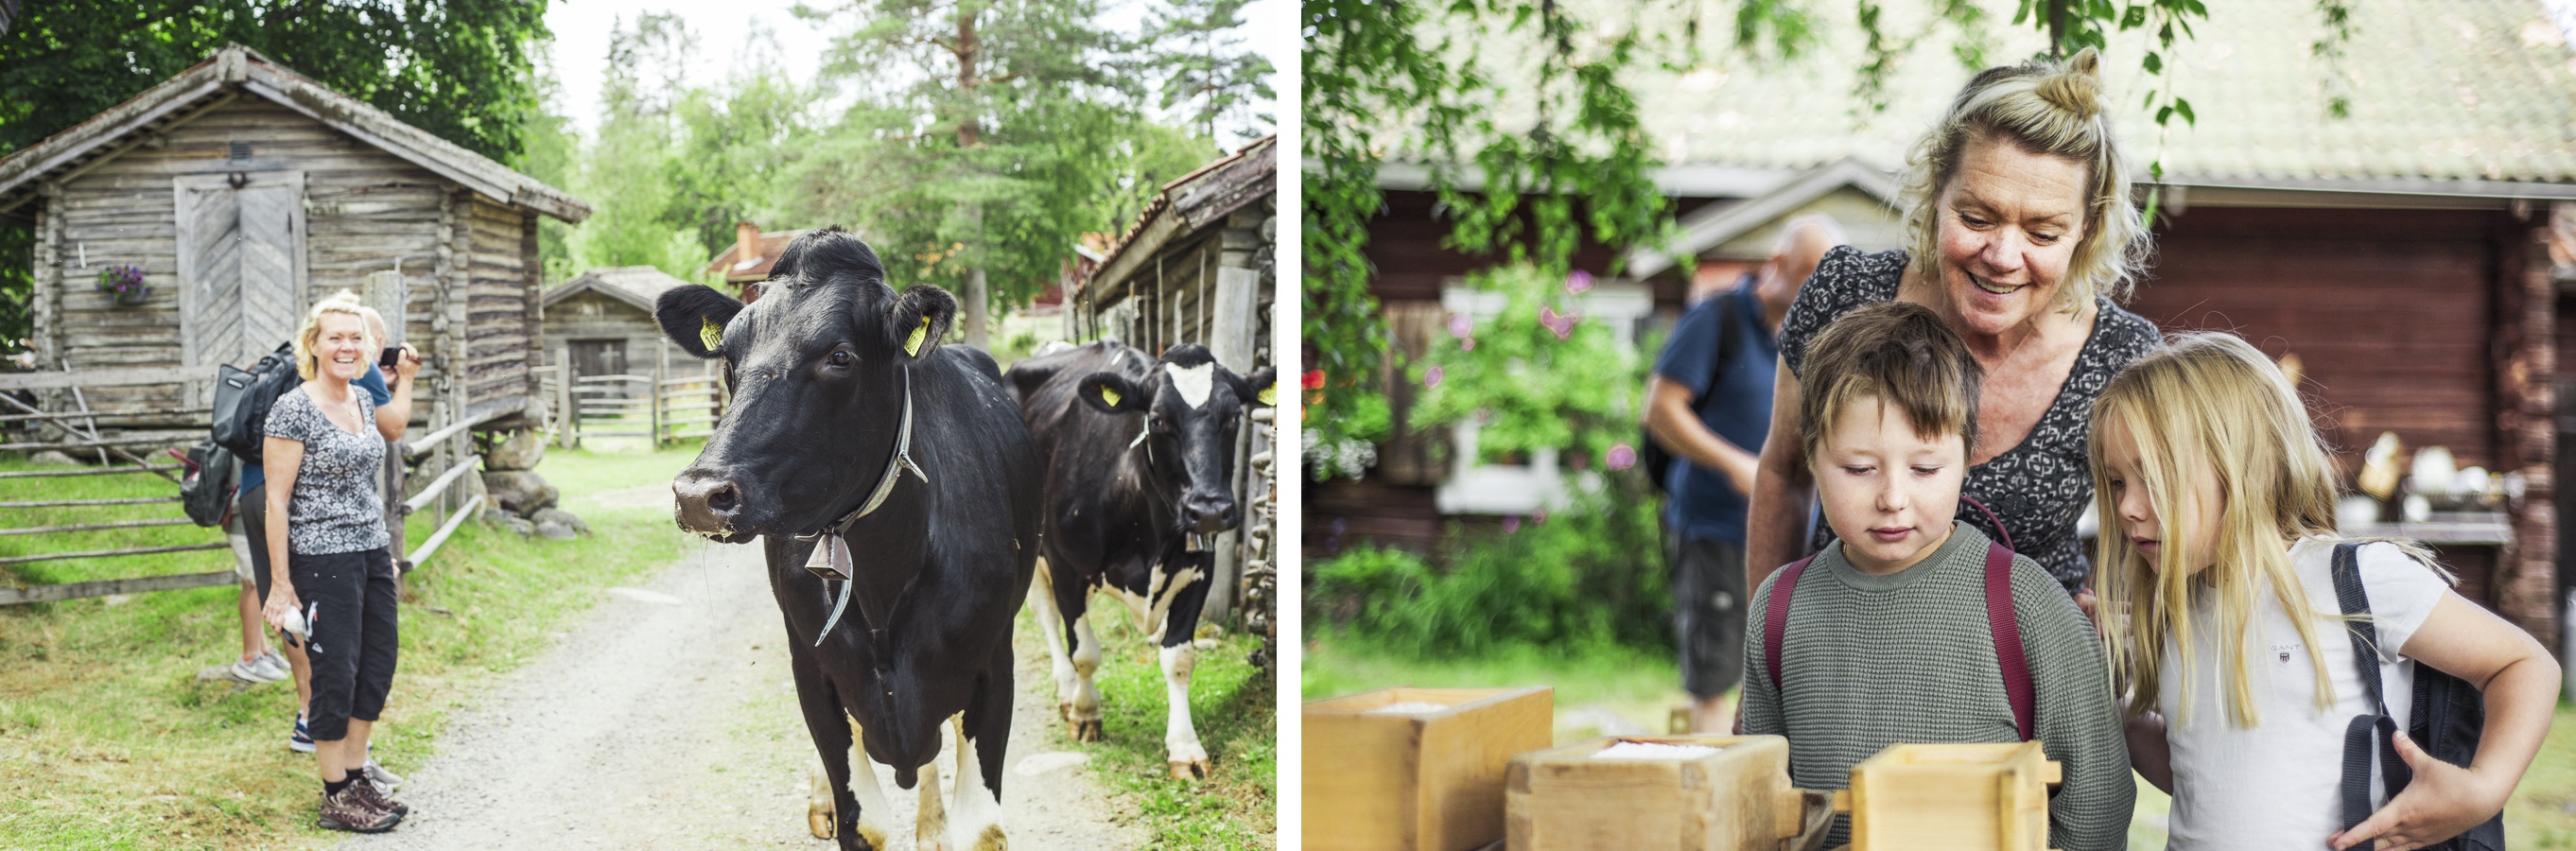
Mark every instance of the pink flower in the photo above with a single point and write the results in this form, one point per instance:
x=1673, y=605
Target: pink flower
x=1461, y=325
x=1579, y=282
x=1539, y=517
x=1512, y=524
x=1431, y=377
x=1467, y=345
x=1561, y=324
x=1621, y=457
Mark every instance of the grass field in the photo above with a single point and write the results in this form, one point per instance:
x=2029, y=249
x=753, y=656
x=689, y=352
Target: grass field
x=1233, y=706
x=1601, y=687
x=107, y=739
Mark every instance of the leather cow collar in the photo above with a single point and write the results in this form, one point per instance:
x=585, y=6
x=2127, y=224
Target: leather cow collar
x=831, y=558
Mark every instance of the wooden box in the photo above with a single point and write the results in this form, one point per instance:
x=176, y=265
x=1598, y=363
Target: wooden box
x=1415, y=769
x=1967, y=797
x=1737, y=798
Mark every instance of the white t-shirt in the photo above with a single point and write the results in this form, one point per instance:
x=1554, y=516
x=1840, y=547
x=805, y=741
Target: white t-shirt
x=2278, y=785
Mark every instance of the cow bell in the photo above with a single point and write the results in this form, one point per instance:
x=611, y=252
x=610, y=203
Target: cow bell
x=831, y=559
x=1193, y=542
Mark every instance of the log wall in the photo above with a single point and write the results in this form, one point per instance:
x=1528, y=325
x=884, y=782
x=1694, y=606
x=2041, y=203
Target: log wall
x=365, y=209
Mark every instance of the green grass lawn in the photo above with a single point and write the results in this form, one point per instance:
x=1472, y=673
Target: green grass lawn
x=107, y=740
x=1608, y=685
x=1232, y=704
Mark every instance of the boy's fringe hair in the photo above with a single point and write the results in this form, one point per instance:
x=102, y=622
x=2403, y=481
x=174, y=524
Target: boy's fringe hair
x=2053, y=108
x=307, y=362
x=1899, y=353
x=2211, y=402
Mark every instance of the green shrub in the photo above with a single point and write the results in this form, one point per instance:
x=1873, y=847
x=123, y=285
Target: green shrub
x=1589, y=576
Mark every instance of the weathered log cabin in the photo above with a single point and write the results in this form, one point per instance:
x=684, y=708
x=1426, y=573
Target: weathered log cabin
x=601, y=322
x=244, y=192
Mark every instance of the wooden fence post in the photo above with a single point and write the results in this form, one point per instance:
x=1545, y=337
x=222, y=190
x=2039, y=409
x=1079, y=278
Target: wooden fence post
x=661, y=370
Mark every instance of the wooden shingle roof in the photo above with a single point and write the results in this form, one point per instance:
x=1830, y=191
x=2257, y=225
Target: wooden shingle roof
x=2449, y=97
x=635, y=285
x=237, y=71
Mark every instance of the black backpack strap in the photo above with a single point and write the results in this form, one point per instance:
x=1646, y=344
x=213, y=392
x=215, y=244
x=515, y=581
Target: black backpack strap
x=2358, y=736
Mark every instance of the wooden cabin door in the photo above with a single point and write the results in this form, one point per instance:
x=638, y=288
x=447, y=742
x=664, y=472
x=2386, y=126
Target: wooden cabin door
x=598, y=357
x=241, y=266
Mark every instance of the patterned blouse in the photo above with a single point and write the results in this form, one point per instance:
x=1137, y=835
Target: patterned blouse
x=334, y=507
x=2032, y=494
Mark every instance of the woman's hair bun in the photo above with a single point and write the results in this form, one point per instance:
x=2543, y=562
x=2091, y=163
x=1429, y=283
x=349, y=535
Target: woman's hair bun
x=2077, y=88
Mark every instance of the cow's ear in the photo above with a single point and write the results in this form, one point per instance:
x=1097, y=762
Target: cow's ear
x=920, y=317
x=695, y=317
x=1260, y=389
x=1111, y=393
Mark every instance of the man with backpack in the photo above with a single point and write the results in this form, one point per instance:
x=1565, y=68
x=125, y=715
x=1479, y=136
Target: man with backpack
x=1708, y=404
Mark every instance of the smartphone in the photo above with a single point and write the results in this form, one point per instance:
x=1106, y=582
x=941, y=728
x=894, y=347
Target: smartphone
x=386, y=361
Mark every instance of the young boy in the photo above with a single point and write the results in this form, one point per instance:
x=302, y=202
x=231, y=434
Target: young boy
x=1886, y=637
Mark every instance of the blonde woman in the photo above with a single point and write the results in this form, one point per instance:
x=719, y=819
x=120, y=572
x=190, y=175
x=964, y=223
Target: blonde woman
x=2219, y=542
x=2022, y=236
x=329, y=557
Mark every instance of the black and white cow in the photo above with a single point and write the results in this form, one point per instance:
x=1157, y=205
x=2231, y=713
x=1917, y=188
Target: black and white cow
x=859, y=446
x=1139, y=455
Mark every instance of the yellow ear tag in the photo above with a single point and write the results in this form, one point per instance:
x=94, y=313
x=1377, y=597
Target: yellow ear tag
x=1269, y=395
x=710, y=333
x=912, y=345
x=1109, y=396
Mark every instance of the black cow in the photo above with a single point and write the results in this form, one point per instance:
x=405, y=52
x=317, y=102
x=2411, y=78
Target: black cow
x=1139, y=478
x=849, y=416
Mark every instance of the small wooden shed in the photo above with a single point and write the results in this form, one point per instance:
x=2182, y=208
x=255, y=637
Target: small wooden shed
x=601, y=323
x=244, y=192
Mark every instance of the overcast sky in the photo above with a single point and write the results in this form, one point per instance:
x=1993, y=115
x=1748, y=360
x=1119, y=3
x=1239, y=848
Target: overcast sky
x=581, y=30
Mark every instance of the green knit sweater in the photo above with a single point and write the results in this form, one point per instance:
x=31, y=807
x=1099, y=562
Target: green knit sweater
x=1871, y=661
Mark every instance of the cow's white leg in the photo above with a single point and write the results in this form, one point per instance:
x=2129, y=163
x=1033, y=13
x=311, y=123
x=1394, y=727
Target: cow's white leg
x=1051, y=624
x=863, y=785
x=930, y=828
x=976, y=821
x=1187, y=759
x=819, y=805
x=1082, y=721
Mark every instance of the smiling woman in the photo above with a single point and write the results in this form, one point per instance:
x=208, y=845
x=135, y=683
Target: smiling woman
x=2022, y=236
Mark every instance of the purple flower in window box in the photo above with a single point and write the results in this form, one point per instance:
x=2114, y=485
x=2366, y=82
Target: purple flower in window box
x=124, y=282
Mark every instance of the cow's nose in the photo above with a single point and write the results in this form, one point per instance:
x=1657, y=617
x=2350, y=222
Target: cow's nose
x=706, y=502
x=1208, y=515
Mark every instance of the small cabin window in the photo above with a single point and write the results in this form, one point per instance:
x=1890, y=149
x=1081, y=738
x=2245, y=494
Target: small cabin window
x=241, y=150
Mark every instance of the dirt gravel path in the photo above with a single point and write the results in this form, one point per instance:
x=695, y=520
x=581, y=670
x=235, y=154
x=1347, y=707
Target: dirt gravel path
x=666, y=719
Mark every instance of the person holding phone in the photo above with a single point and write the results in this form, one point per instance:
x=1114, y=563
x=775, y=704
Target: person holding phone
x=330, y=558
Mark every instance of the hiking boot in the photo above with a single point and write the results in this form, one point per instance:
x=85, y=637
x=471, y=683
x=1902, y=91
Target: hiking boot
x=355, y=810
x=301, y=741
x=380, y=797
x=376, y=773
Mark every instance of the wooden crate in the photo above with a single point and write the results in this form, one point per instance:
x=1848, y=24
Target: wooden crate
x=1952, y=797
x=1416, y=781
x=1737, y=799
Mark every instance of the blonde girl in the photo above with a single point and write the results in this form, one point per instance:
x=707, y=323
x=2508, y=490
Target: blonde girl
x=2217, y=501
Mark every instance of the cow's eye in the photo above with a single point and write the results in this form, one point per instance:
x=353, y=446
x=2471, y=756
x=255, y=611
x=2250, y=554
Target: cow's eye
x=840, y=359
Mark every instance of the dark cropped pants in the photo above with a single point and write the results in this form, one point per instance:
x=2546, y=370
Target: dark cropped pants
x=349, y=598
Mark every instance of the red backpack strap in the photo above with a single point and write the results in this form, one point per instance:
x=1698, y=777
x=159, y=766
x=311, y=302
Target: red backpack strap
x=2007, y=632
x=1775, y=617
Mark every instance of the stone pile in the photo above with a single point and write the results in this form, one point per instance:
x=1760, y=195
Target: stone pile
x=519, y=499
